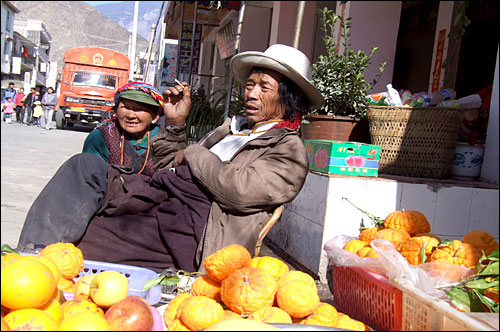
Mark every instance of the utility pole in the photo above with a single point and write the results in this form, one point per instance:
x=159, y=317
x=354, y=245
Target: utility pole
x=298, y=24
x=151, y=39
x=134, y=40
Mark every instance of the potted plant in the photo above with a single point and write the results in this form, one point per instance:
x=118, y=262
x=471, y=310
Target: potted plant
x=340, y=78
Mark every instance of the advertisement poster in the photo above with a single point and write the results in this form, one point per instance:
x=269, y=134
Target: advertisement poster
x=169, y=65
x=225, y=40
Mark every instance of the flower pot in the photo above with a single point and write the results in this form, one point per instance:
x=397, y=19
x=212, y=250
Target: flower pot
x=335, y=128
x=467, y=161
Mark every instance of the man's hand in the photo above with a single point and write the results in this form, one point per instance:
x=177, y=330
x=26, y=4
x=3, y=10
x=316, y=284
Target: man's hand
x=179, y=158
x=177, y=103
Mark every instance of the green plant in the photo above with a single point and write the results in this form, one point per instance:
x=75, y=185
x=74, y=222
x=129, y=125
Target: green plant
x=207, y=112
x=471, y=294
x=340, y=77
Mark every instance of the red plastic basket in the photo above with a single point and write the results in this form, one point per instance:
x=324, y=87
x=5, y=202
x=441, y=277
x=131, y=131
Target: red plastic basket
x=368, y=297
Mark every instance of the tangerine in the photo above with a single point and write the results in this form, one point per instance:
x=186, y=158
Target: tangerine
x=67, y=257
x=273, y=265
x=9, y=257
x=26, y=283
x=30, y=319
x=170, y=313
x=49, y=263
x=54, y=309
x=199, y=312
x=84, y=321
x=66, y=285
x=225, y=261
x=207, y=287
x=81, y=305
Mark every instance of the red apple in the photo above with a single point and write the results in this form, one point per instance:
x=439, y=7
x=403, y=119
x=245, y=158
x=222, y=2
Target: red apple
x=130, y=314
x=349, y=161
x=359, y=161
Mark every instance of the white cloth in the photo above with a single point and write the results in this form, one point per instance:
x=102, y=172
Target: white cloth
x=229, y=145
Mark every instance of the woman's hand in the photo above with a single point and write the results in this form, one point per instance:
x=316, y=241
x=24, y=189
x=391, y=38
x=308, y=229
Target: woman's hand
x=177, y=103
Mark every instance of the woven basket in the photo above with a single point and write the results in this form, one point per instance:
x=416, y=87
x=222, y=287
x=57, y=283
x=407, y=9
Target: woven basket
x=415, y=141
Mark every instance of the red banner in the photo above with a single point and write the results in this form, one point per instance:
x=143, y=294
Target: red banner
x=436, y=76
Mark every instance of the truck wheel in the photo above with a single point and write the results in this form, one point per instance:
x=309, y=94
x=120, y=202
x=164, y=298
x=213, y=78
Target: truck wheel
x=60, y=121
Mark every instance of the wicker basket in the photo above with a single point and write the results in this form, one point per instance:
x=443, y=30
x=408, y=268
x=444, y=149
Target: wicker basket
x=415, y=141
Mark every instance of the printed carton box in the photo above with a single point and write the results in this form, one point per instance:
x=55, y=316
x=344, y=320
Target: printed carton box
x=339, y=157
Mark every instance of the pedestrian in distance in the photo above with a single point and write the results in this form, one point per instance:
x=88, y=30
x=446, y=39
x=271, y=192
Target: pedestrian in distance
x=8, y=109
x=18, y=100
x=49, y=102
x=37, y=113
x=9, y=92
x=201, y=197
x=29, y=104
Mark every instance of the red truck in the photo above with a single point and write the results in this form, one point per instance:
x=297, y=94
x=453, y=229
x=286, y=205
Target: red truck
x=90, y=77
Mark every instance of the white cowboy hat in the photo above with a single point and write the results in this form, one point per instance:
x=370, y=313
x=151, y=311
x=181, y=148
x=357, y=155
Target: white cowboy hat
x=285, y=60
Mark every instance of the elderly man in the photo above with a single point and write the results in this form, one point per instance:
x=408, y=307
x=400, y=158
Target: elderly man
x=213, y=193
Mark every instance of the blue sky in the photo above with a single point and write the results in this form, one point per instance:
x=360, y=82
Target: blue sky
x=95, y=3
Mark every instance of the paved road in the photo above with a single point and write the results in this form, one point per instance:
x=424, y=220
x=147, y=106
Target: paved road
x=30, y=156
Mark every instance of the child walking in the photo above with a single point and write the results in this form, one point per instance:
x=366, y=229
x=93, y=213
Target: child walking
x=37, y=113
x=8, y=109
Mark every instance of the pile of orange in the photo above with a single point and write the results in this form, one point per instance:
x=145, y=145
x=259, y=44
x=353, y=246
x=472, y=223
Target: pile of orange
x=32, y=286
x=410, y=233
x=262, y=289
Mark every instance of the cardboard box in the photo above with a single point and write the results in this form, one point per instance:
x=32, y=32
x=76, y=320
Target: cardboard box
x=338, y=157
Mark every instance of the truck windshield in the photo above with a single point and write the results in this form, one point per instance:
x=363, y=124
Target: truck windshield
x=102, y=81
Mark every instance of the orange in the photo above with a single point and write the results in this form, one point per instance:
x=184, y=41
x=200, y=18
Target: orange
x=30, y=319
x=54, y=309
x=482, y=240
x=170, y=313
x=7, y=258
x=67, y=257
x=199, y=312
x=5, y=326
x=49, y=263
x=74, y=306
x=26, y=283
x=273, y=265
x=225, y=261
x=178, y=325
x=66, y=285
x=228, y=314
x=207, y=287
x=271, y=315
x=297, y=299
x=297, y=275
x=84, y=321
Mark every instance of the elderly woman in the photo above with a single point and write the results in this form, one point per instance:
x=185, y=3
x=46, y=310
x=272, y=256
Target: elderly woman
x=125, y=139
x=219, y=191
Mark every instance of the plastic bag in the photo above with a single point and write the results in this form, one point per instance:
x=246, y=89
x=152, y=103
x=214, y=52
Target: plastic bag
x=391, y=264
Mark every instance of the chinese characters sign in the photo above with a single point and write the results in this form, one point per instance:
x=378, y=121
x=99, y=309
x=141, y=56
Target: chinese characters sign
x=225, y=40
x=169, y=65
x=439, y=61
x=185, y=48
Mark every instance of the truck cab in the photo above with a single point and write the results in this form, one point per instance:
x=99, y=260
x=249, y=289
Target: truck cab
x=90, y=77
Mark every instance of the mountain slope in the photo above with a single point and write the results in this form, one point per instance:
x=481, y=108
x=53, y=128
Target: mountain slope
x=74, y=24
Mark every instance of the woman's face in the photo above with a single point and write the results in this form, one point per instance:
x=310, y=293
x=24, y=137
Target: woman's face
x=135, y=118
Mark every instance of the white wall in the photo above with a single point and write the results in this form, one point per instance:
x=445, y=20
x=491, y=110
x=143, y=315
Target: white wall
x=375, y=23
x=489, y=169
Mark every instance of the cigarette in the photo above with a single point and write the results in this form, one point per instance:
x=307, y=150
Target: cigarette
x=178, y=82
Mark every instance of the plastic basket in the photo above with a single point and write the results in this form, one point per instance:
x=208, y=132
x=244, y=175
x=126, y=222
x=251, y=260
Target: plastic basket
x=369, y=297
x=415, y=141
x=136, y=276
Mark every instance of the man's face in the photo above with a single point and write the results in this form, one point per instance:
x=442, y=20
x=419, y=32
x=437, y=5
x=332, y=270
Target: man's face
x=33, y=91
x=262, y=97
x=11, y=86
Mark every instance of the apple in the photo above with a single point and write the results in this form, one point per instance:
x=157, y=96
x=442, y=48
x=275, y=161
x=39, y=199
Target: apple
x=130, y=314
x=82, y=287
x=359, y=161
x=349, y=161
x=108, y=288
